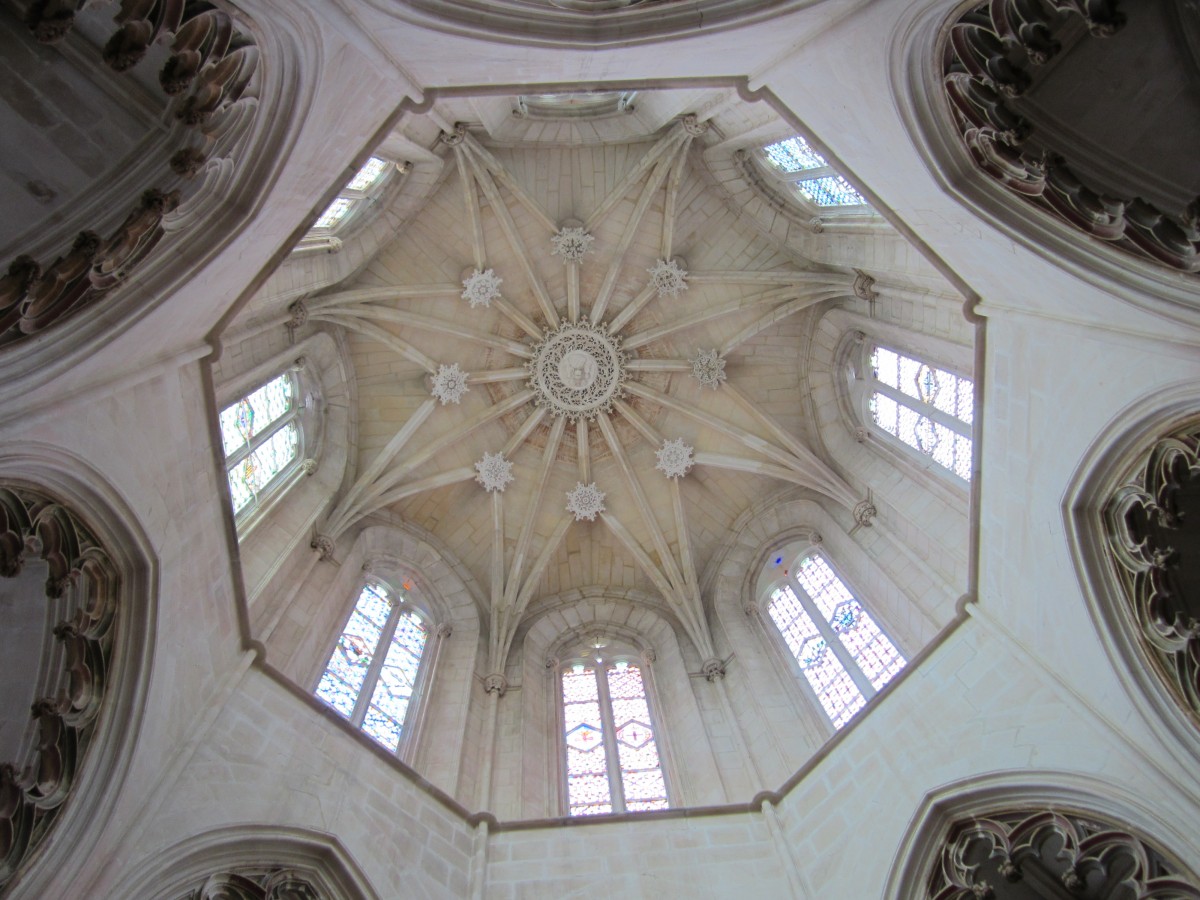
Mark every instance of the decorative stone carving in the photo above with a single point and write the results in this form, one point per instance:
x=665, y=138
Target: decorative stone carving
x=455, y=137
x=668, y=277
x=585, y=501
x=273, y=884
x=445, y=629
x=751, y=609
x=577, y=371
x=863, y=284
x=985, y=66
x=299, y=315
x=713, y=669
x=309, y=467
x=494, y=472
x=449, y=384
x=1153, y=526
x=1044, y=847
x=495, y=684
x=674, y=458
x=693, y=125
x=33, y=791
x=571, y=244
x=481, y=288
x=649, y=656
x=708, y=368
x=552, y=663
x=865, y=512
x=324, y=546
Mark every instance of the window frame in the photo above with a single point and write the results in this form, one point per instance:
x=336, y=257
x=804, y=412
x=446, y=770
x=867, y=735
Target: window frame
x=826, y=631
x=791, y=181
x=297, y=414
x=853, y=361
x=409, y=728
x=616, y=785
x=360, y=201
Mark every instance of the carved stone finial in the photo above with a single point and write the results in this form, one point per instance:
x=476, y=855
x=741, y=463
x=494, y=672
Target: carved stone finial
x=863, y=284
x=455, y=137
x=860, y=434
x=865, y=512
x=713, y=669
x=323, y=544
x=186, y=162
x=299, y=314
x=495, y=684
x=693, y=126
x=445, y=629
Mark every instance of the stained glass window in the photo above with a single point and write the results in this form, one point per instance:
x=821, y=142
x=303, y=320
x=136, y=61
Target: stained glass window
x=357, y=191
x=368, y=174
x=261, y=438
x=844, y=655
x=612, y=760
x=374, y=689
x=927, y=408
x=811, y=174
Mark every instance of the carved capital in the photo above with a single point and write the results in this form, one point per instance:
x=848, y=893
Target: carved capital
x=309, y=466
x=495, y=684
x=649, y=656
x=299, y=314
x=863, y=284
x=445, y=629
x=865, y=512
x=323, y=544
x=693, y=126
x=455, y=137
x=552, y=663
x=713, y=669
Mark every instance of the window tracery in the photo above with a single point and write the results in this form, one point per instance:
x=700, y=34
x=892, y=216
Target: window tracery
x=373, y=673
x=925, y=408
x=795, y=162
x=262, y=437
x=609, y=739
x=842, y=652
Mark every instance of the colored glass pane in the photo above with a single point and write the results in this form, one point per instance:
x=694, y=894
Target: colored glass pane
x=831, y=190
x=831, y=682
x=588, y=789
x=257, y=469
x=354, y=651
x=642, y=779
x=368, y=174
x=945, y=446
x=952, y=394
x=794, y=155
x=397, y=678
x=334, y=213
x=868, y=646
x=253, y=414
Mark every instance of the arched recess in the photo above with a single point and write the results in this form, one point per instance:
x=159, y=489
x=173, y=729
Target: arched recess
x=99, y=563
x=319, y=603
x=780, y=718
x=916, y=73
x=310, y=858
x=1138, y=464
x=1029, y=806
x=556, y=628
x=191, y=211
x=277, y=534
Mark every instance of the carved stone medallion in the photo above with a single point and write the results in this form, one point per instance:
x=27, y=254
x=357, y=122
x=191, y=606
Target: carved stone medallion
x=577, y=371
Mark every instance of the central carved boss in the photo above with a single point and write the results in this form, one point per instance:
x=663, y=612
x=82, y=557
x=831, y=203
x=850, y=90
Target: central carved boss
x=577, y=371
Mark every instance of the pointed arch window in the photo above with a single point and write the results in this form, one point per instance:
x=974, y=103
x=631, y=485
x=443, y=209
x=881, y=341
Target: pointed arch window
x=926, y=408
x=373, y=674
x=262, y=439
x=794, y=161
x=842, y=652
x=609, y=741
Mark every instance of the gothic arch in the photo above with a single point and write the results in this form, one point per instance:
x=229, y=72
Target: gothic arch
x=119, y=685
x=313, y=858
x=1114, y=468
x=915, y=54
x=1009, y=796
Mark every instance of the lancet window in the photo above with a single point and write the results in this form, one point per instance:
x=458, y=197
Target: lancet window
x=927, y=408
x=374, y=671
x=262, y=438
x=797, y=163
x=609, y=740
x=358, y=192
x=842, y=652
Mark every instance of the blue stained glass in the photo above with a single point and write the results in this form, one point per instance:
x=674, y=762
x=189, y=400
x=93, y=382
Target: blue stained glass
x=794, y=155
x=831, y=190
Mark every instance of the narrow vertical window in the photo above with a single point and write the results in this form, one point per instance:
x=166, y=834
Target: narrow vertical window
x=261, y=438
x=372, y=673
x=612, y=760
x=357, y=190
x=808, y=171
x=925, y=407
x=844, y=655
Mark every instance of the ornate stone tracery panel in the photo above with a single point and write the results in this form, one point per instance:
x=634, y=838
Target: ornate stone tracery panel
x=1028, y=854
x=1152, y=525
x=986, y=65
x=35, y=789
x=270, y=884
